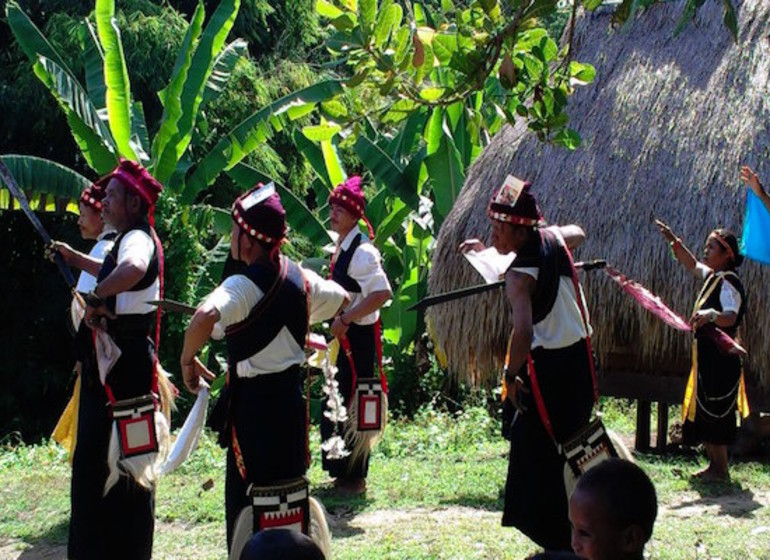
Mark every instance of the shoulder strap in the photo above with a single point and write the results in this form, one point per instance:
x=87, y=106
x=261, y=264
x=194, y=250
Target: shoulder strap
x=536, y=393
x=267, y=299
x=709, y=286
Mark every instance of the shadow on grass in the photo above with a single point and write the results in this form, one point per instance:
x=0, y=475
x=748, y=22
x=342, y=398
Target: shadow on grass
x=729, y=497
x=50, y=545
x=478, y=501
x=341, y=509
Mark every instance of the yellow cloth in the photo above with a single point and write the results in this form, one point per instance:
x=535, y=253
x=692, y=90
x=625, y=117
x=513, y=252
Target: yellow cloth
x=333, y=350
x=742, y=399
x=66, y=430
x=689, y=402
x=688, y=405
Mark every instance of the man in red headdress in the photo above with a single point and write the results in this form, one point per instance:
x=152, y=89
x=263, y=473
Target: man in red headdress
x=112, y=493
x=264, y=313
x=549, y=371
x=356, y=266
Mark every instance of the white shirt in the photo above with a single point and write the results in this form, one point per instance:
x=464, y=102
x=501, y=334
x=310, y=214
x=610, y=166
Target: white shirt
x=139, y=247
x=729, y=296
x=86, y=280
x=237, y=296
x=366, y=269
x=563, y=326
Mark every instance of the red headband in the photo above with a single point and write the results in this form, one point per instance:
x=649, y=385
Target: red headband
x=92, y=197
x=725, y=245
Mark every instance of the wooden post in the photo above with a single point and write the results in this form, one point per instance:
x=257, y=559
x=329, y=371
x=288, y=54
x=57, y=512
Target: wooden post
x=643, y=425
x=662, y=437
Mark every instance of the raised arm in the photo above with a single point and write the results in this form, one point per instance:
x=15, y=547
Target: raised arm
x=573, y=235
x=681, y=253
x=749, y=177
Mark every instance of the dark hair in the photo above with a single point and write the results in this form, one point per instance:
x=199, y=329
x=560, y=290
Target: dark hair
x=625, y=490
x=281, y=544
x=732, y=241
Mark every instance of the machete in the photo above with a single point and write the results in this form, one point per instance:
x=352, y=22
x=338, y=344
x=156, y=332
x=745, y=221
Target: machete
x=19, y=195
x=481, y=288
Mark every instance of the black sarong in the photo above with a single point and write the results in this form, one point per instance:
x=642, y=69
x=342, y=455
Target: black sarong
x=270, y=419
x=535, y=498
x=362, y=344
x=119, y=525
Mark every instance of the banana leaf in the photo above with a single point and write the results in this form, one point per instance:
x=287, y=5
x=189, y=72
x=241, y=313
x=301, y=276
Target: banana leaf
x=246, y=136
x=334, y=169
x=37, y=176
x=90, y=133
x=313, y=155
x=386, y=170
x=93, y=61
x=209, y=46
x=29, y=37
x=444, y=164
x=118, y=93
x=140, y=138
x=223, y=69
x=165, y=148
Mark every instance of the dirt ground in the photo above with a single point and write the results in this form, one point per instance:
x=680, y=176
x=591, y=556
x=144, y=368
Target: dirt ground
x=687, y=505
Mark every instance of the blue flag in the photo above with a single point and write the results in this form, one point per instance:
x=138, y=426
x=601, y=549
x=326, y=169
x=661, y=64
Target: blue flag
x=755, y=242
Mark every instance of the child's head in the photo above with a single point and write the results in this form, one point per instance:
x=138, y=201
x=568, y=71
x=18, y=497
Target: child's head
x=281, y=544
x=612, y=511
x=90, y=220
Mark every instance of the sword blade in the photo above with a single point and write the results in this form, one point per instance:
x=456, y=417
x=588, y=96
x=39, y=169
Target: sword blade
x=173, y=306
x=481, y=288
x=19, y=195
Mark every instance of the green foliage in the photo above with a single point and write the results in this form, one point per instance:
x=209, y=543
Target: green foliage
x=434, y=491
x=107, y=122
x=36, y=368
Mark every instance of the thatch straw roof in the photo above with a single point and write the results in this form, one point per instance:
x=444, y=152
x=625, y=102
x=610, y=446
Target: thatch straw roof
x=665, y=127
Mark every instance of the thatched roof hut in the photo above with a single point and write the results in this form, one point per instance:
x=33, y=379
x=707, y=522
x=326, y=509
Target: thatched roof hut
x=665, y=127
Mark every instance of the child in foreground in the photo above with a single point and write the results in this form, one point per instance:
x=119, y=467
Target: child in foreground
x=612, y=511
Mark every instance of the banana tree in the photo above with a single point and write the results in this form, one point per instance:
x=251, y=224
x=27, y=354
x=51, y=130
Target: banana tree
x=398, y=208
x=106, y=123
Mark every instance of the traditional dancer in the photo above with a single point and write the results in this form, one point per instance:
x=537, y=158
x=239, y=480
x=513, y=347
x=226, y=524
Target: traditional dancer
x=356, y=266
x=92, y=227
x=716, y=387
x=113, y=467
x=263, y=312
x=549, y=372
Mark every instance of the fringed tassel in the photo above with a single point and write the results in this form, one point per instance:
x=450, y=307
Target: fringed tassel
x=144, y=469
x=336, y=412
x=113, y=456
x=361, y=444
x=319, y=526
x=167, y=392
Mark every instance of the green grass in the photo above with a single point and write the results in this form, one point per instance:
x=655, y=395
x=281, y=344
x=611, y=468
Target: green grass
x=434, y=492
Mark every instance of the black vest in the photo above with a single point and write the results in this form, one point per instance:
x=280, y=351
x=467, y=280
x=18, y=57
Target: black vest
x=713, y=302
x=287, y=308
x=130, y=322
x=544, y=252
x=341, y=265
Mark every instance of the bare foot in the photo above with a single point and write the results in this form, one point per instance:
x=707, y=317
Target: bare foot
x=702, y=473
